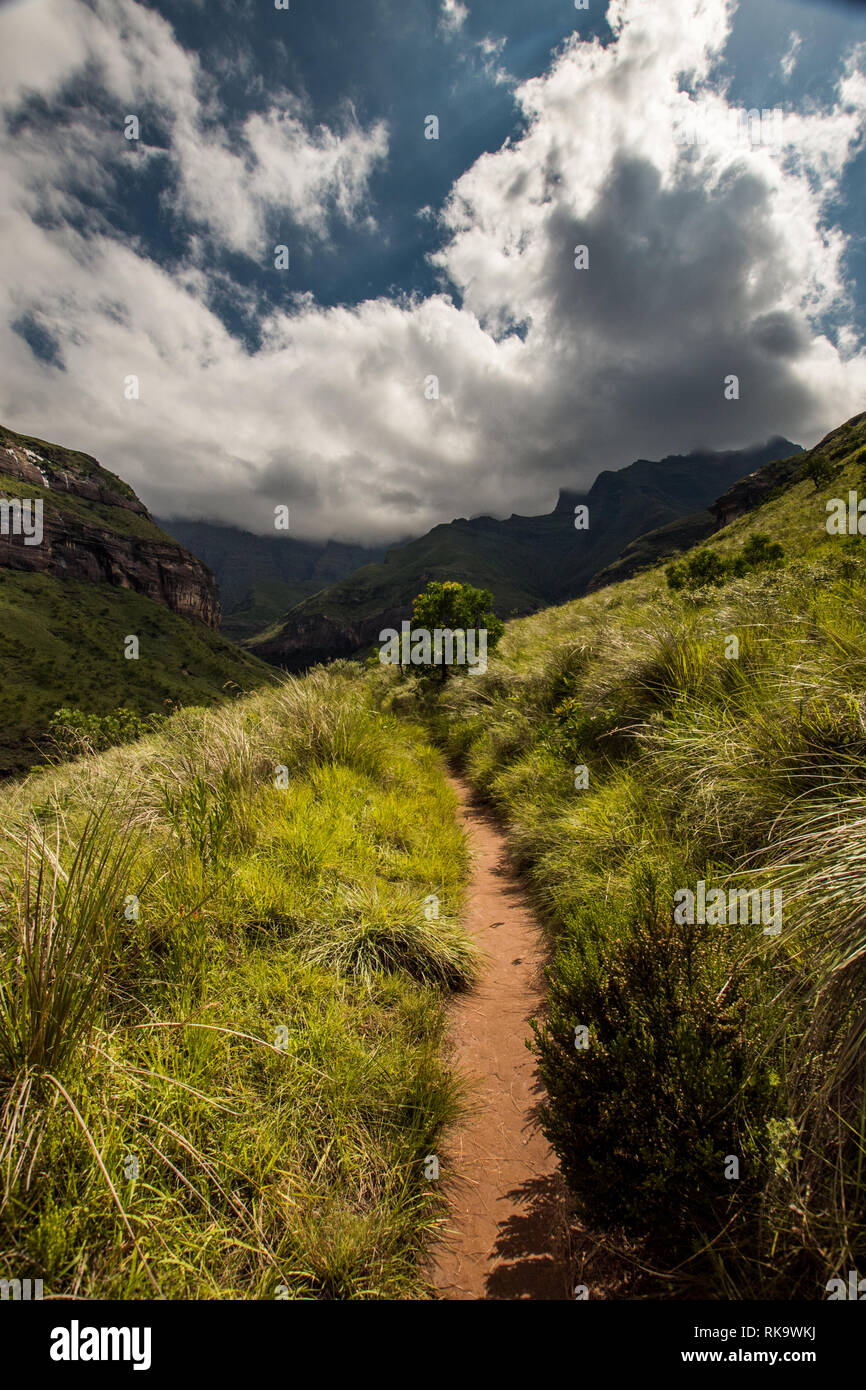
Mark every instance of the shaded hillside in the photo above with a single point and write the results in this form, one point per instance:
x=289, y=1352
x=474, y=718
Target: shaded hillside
x=103, y=571
x=260, y=577
x=527, y=562
x=743, y=497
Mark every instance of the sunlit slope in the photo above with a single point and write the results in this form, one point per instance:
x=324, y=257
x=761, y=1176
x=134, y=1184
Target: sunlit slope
x=642, y=743
x=225, y=952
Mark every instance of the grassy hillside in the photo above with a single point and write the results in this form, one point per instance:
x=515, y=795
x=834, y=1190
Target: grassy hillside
x=712, y=1116
x=132, y=520
x=62, y=643
x=221, y=1003
x=71, y=460
x=261, y=605
x=222, y=995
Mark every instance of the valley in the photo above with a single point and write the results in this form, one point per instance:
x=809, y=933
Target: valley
x=330, y=978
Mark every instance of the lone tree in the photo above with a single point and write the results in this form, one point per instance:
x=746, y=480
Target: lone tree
x=820, y=470
x=454, y=607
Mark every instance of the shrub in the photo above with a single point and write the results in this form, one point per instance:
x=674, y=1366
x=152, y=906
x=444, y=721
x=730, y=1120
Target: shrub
x=707, y=567
x=702, y=567
x=75, y=732
x=643, y=1118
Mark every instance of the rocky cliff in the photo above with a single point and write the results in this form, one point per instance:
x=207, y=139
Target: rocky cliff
x=94, y=528
x=751, y=491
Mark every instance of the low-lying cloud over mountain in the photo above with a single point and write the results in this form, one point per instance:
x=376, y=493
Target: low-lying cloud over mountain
x=154, y=258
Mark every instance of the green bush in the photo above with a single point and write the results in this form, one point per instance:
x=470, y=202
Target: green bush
x=707, y=567
x=74, y=732
x=644, y=1117
x=457, y=607
x=700, y=568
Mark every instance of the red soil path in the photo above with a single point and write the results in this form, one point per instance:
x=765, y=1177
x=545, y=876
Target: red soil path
x=507, y=1233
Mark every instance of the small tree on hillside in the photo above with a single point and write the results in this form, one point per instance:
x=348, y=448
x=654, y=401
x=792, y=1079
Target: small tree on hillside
x=457, y=608
x=820, y=470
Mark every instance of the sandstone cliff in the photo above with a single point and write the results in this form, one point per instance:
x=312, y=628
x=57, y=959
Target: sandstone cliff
x=94, y=528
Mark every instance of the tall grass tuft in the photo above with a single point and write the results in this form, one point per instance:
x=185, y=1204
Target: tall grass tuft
x=60, y=930
x=230, y=1091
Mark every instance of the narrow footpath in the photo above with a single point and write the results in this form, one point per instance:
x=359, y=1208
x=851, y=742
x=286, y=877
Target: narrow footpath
x=507, y=1234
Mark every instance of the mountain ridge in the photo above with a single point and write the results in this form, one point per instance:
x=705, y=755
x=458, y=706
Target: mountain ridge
x=527, y=562
x=260, y=577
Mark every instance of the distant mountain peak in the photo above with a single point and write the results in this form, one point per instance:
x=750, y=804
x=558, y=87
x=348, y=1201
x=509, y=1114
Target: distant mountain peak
x=527, y=562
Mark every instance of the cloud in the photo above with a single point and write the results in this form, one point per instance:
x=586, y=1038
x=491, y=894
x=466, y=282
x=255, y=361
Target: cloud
x=230, y=181
x=705, y=259
x=454, y=16
x=789, y=57
x=278, y=165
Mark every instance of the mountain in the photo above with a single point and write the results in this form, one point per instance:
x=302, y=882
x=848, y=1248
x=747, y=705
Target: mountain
x=745, y=495
x=527, y=562
x=261, y=577
x=101, y=571
x=96, y=529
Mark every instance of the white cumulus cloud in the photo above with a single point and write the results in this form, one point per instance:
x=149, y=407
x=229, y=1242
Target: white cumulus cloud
x=705, y=259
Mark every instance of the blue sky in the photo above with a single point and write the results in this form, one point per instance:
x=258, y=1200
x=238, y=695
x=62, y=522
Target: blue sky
x=412, y=258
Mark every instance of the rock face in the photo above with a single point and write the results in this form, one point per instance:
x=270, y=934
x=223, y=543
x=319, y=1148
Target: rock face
x=751, y=491
x=94, y=528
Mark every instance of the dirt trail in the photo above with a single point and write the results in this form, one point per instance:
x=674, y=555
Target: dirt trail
x=506, y=1237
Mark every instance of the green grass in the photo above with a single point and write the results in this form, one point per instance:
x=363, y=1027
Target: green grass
x=62, y=643
x=704, y=1041
x=230, y=1092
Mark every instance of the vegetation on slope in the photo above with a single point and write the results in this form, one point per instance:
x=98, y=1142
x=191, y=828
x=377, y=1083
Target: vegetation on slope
x=221, y=1004
x=633, y=754
x=103, y=570
x=62, y=643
